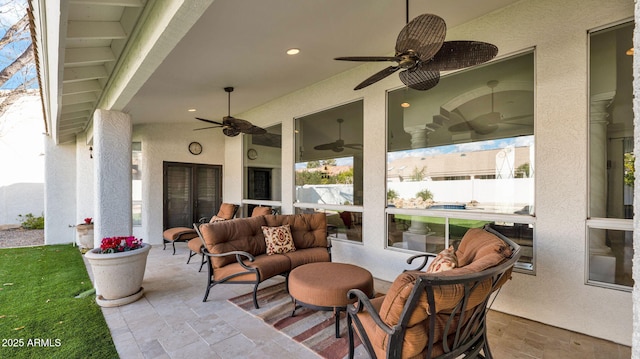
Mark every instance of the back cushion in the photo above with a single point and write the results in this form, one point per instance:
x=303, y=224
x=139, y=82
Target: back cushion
x=227, y=210
x=260, y=211
x=480, y=250
x=307, y=230
x=243, y=234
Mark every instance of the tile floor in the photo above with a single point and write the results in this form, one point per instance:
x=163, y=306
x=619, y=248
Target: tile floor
x=171, y=321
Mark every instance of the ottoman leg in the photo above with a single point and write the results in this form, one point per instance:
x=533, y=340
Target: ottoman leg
x=337, y=319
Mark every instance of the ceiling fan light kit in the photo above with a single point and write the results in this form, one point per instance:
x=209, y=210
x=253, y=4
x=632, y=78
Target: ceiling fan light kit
x=230, y=125
x=421, y=54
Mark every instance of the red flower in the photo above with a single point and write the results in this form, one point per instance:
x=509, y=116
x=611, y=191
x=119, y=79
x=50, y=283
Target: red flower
x=119, y=244
x=88, y=220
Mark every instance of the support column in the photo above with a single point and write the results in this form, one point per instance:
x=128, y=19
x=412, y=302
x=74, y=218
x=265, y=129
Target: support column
x=112, y=174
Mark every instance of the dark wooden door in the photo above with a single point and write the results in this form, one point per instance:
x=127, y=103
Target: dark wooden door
x=191, y=191
x=259, y=185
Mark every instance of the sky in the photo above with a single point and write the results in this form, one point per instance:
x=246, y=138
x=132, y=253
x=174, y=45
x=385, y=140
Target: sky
x=22, y=143
x=10, y=12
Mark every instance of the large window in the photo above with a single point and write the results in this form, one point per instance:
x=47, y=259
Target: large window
x=611, y=159
x=262, y=170
x=461, y=155
x=328, y=167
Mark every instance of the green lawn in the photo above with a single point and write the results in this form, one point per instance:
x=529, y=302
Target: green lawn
x=39, y=314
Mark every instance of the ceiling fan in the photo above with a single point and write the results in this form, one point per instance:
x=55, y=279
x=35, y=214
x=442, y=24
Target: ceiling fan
x=338, y=145
x=232, y=126
x=421, y=53
x=485, y=123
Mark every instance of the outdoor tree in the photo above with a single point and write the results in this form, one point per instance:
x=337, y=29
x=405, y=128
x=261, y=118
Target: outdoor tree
x=17, y=61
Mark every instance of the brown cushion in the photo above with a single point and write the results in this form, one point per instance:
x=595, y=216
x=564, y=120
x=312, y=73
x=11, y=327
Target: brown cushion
x=260, y=211
x=307, y=230
x=308, y=255
x=477, y=243
x=227, y=211
x=244, y=234
x=268, y=266
x=195, y=245
x=278, y=239
x=179, y=234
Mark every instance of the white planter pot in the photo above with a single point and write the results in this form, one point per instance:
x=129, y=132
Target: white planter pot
x=118, y=277
x=84, y=236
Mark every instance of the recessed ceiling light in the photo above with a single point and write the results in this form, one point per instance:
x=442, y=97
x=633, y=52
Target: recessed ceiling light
x=405, y=104
x=293, y=51
x=192, y=110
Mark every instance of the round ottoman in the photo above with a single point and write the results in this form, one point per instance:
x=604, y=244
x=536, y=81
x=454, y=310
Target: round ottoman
x=324, y=286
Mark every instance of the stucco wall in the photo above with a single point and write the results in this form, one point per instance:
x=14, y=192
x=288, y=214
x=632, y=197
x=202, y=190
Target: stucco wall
x=170, y=143
x=20, y=199
x=556, y=295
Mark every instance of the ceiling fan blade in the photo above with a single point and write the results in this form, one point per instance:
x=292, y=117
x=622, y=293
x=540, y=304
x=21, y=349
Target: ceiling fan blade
x=237, y=123
x=231, y=132
x=488, y=118
x=367, y=58
x=424, y=35
x=326, y=146
x=419, y=79
x=354, y=146
x=377, y=77
x=207, y=128
x=255, y=130
x=455, y=55
x=210, y=121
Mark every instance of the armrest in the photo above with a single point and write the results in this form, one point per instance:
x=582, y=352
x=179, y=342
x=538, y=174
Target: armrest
x=364, y=303
x=238, y=254
x=425, y=258
x=203, y=220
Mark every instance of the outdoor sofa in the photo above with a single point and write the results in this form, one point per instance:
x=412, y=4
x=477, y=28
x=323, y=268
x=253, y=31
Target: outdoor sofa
x=237, y=251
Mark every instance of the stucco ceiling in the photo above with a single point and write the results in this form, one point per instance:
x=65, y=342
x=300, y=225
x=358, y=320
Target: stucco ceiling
x=240, y=44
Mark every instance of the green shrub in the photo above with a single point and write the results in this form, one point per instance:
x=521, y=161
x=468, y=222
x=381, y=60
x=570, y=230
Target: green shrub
x=391, y=195
x=425, y=194
x=29, y=221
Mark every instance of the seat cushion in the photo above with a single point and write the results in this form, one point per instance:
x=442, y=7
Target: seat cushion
x=195, y=245
x=308, y=255
x=179, y=234
x=267, y=266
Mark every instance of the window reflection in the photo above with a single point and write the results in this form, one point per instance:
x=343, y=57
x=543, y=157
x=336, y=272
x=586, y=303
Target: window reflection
x=467, y=143
x=340, y=224
x=262, y=169
x=329, y=156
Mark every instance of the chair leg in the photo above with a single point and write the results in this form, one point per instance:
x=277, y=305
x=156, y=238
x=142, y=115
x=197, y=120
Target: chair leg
x=202, y=262
x=350, y=333
x=255, y=296
x=486, y=350
x=174, y=247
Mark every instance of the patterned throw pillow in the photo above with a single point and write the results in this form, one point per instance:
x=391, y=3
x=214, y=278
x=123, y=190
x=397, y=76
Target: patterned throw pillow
x=278, y=239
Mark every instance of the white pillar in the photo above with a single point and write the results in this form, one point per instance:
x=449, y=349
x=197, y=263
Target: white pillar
x=112, y=174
